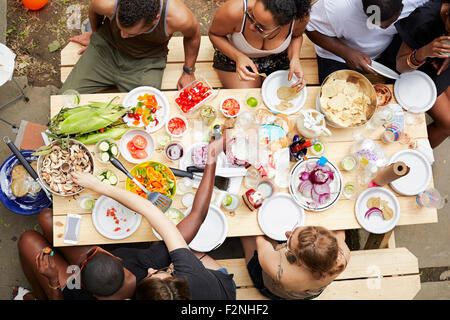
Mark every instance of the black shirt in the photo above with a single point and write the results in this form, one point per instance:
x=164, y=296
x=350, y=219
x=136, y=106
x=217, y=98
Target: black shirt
x=204, y=284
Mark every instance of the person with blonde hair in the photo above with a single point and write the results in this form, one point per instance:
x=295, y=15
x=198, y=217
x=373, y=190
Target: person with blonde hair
x=302, y=267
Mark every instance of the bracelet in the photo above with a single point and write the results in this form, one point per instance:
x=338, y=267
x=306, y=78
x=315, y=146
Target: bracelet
x=410, y=64
x=414, y=60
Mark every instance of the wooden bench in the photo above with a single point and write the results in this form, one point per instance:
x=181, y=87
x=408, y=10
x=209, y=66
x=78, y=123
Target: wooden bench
x=381, y=274
x=175, y=60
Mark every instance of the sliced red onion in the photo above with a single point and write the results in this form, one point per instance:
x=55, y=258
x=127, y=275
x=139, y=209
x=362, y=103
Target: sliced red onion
x=304, y=176
x=321, y=188
x=318, y=176
x=371, y=211
x=324, y=198
x=305, y=188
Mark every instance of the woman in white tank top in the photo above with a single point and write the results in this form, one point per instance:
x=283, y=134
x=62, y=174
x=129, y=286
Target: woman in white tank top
x=258, y=36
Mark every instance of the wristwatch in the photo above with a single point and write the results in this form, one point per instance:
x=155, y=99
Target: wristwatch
x=189, y=70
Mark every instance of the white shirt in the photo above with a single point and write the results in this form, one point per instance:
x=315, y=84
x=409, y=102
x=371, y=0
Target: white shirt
x=347, y=21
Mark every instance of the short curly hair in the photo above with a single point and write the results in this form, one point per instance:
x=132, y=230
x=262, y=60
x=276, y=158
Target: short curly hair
x=131, y=12
x=284, y=11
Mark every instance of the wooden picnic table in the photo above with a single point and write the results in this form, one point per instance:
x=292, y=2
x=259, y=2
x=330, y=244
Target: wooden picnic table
x=244, y=222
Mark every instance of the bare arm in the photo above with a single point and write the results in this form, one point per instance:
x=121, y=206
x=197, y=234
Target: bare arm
x=268, y=257
x=227, y=20
x=355, y=59
x=181, y=19
x=189, y=226
x=294, y=51
x=159, y=221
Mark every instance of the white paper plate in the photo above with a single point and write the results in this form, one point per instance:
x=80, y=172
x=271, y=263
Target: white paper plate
x=336, y=186
x=383, y=70
x=150, y=148
x=105, y=225
x=415, y=91
x=376, y=223
x=212, y=232
x=269, y=92
x=279, y=214
x=419, y=176
x=131, y=99
x=7, y=60
x=156, y=233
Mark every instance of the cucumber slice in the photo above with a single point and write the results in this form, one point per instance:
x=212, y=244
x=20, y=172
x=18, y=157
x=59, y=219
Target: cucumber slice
x=113, y=179
x=103, y=146
x=114, y=150
x=106, y=181
x=108, y=174
x=105, y=156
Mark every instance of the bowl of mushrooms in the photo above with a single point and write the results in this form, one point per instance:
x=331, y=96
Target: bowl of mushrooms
x=63, y=158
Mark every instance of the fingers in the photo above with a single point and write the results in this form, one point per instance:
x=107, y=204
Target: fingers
x=81, y=51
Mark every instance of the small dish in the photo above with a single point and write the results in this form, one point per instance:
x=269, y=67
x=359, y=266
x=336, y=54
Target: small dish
x=128, y=137
x=105, y=149
x=230, y=107
x=177, y=126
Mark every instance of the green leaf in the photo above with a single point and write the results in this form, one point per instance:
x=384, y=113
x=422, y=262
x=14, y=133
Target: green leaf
x=54, y=46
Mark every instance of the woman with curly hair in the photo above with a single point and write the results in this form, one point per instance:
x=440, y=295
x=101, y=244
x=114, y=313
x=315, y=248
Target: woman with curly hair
x=299, y=269
x=258, y=36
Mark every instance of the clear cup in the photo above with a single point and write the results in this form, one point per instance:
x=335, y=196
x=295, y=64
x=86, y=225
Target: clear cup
x=231, y=202
x=349, y=163
x=350, y=190
x=86, y=202
x=252, y=178
x=184, y=185
x=71, y=98
x=430, y=198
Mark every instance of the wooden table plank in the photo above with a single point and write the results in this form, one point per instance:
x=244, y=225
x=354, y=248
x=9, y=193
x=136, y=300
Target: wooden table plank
x=244, y=222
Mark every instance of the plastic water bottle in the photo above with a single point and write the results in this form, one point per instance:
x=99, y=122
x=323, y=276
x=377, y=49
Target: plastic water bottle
x=430, y=198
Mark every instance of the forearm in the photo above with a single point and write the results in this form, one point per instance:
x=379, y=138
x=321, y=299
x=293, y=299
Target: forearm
x=295, y=48
x=159, y=221
x=189, y=226
x=331, y=44
x=191, y=48
x=94, y=19
x=55, y=290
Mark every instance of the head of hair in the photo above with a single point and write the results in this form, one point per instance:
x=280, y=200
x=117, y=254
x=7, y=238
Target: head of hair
x=284, y=11
x=102, y=275
x=317, y=249
x=132, y=12
x=170, y=288
x=389, y=9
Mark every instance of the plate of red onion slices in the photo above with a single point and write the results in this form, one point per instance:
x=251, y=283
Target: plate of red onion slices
x=377, y=210
x=315, y=187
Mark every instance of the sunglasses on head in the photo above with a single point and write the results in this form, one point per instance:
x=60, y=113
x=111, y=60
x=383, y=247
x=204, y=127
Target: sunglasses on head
x=269, y=35
x=90, y=254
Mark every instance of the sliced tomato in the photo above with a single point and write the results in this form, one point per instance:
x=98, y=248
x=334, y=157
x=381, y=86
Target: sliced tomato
x=231, y=107
x=176, y=126
x=139, y=154
x=139, y=142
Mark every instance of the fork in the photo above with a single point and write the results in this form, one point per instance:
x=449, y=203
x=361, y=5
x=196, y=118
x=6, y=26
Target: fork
x=158, y=199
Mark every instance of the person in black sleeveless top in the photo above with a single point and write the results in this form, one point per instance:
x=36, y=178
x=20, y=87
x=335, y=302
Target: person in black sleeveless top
x=127, y=47
x=426, y=47
x=114, y=275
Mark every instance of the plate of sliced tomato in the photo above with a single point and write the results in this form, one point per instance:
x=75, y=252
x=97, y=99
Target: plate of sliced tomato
x=147, y=107
x=177, y=126
x=155, y=177
x=136, y=146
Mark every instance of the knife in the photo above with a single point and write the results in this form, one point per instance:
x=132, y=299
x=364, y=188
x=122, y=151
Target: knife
x=26, y=165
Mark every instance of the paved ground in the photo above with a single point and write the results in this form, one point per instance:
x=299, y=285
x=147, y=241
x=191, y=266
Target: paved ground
x=428, y=242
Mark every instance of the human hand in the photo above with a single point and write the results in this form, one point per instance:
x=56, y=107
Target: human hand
x=46, y=266
x=441, y=65
x=86, y=180
x=295, y=68
x=358, y=61
x=436, y=48
x=242, y=62
x=84, y=39
x=184, y=80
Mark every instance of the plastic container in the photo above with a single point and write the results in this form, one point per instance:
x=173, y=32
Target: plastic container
x=71, y=98
x=168, y=124
x=430, y=198
x=192, y=85
x=225, y=113
x=108, y=176
x=86, y=202
x=349, y=163
x=231, y=202
x=174, y=151
x=208, y=114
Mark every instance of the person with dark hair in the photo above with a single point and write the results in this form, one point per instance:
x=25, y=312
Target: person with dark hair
x=258, y=36
x=127, y=46
x=112, y=275
x=426, y=47
x=350, y=34
x=172, y=271
x=300, y=268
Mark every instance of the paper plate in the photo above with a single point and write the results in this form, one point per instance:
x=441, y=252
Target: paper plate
x=129, y=220
x=167, y=213
x=279, y=214
x=269, y=92
x=383, y=70
x=150, y=148
x=336, y=186
x=131, y=100
x=376, y=223
x=7, y=60
x=212, y=232
x=415, y=91
x=31, y=203
x=419, y=176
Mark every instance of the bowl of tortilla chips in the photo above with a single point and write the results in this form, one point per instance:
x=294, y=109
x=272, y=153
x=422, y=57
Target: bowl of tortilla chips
x=347, y=99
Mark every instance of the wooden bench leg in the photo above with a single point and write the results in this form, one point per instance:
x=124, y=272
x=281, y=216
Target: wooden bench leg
x=378, y=241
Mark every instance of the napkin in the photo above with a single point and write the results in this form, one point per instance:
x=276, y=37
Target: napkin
x=7, y=61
